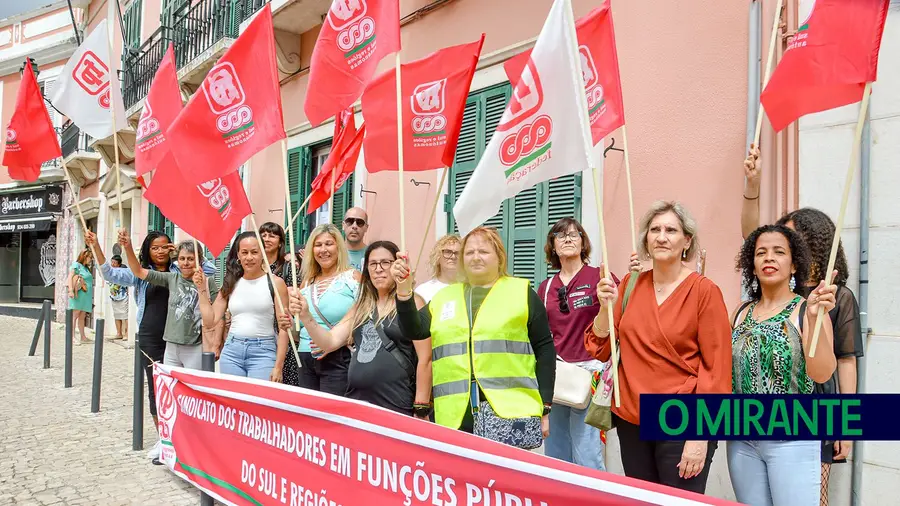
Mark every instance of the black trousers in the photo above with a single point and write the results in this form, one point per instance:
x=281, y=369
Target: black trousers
x=328, y=375
x=155, y=347
x=657, y=461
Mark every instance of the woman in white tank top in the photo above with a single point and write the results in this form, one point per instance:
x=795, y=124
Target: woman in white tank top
x=255, y=347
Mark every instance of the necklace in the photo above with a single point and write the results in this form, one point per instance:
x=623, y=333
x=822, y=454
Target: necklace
x=778, y=308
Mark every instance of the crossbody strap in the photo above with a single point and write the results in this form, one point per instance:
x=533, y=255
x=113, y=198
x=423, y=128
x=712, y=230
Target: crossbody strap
x=547, y=290
x=391, y=347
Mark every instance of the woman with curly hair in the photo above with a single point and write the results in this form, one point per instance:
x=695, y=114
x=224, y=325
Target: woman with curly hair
x=817, y=230
x=770, y=355
x=443, y=262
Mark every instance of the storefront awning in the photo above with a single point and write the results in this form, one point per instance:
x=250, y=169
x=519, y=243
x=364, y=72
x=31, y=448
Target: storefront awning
x=29, y=223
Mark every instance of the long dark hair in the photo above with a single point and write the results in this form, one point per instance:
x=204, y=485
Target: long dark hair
x=233, y=268
x=817, y=230
x=367, y=298
x=799, y=257
x=144, y=256
x=273, y=228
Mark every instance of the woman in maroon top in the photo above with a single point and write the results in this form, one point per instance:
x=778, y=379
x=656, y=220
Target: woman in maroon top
x=571, y=302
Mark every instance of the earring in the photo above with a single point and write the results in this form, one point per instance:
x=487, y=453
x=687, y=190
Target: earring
x=792, y=283
x=755, y=284
x=684, y=254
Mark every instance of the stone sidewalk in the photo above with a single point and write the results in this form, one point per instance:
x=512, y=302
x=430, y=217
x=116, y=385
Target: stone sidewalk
x=54, y=450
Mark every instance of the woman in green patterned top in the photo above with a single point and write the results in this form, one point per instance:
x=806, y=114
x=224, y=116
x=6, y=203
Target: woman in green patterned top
x=770, y=349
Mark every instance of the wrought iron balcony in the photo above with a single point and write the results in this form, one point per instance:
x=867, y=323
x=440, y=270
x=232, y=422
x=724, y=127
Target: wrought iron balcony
x=73, y=140
x=197, y=27
x=140, y=66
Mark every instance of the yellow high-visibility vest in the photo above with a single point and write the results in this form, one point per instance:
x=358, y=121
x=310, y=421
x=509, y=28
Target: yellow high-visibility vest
x=498, y=348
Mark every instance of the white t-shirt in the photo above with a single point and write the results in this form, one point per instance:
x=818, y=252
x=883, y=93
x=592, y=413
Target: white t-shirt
x=428, y=289
x=252, y=309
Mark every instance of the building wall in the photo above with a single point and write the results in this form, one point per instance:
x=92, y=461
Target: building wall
x=826, y=142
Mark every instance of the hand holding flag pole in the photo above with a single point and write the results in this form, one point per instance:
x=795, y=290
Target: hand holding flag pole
x=848, y=182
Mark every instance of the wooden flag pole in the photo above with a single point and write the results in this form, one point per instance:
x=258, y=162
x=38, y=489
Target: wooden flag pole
x=437, y=199
x=290, y=224
x=280, y=305
x=400, y=156
x=112, y=108
x=301, y=208
x=770, y=62
x=848, y=182
x=331, y=199
x=634, y=241
x=80, y=214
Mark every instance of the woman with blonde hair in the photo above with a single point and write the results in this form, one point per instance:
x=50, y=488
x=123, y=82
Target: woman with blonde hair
x=674, y=338
x=81, y=291
x=443, y=262
x=385, y=369
x=329, y=287
x=493, y=359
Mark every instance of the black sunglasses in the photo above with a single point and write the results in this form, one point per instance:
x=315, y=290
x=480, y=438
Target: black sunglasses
x=359, y=222
x=563, y=300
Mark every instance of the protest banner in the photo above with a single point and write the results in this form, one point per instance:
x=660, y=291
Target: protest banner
x=245, y=441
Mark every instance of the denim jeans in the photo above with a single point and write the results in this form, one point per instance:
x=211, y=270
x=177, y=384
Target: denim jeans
x=571, y=439
x=250, y=357
x=775, y=473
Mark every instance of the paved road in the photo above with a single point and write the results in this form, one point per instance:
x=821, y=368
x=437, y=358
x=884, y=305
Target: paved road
x=53, y=450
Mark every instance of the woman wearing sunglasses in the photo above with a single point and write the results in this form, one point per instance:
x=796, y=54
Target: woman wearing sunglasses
x=443, y=262
x=571, y=300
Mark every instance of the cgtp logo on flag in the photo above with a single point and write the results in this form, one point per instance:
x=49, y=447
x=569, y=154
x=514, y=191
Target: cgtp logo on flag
x=148, y=133
x=218, y=195
x=429, y=125
x=592, y=87
x=92, y=75
x=12, y=144
x=225, y=96
x=806, y=9
x=355, y=30
x=167, y=412
x=527, y=145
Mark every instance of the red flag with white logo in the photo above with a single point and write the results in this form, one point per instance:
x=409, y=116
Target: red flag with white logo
x=211, y=212
x=434, y=95
x=828, y=62
x=341, y=162
x=355, y=36
x=236, y=113
x=161, y=107
x=30, y=137
x=599, y=71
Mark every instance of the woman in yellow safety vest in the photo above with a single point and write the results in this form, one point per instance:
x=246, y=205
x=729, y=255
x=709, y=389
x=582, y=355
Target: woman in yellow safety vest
x=493, y=359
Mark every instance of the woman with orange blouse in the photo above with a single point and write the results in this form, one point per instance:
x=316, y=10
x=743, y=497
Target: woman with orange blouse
x=674, y=338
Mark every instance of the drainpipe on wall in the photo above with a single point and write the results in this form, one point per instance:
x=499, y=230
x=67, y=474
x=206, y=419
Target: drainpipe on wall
x=863, y=297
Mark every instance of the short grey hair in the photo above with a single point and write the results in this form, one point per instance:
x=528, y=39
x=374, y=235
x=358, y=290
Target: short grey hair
x=688, y=225
x=186, y=246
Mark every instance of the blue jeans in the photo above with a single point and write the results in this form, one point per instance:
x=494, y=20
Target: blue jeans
x=571, y=439
x=252, y=357
x=775, y=473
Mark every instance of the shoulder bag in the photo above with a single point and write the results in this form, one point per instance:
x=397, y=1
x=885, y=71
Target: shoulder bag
x=573, y=384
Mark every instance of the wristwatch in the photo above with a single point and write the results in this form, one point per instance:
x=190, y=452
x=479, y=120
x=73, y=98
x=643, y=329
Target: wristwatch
x=547, y=408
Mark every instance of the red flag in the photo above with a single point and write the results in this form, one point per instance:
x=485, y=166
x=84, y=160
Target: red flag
x=355, y=36
x=434, y=95
x=342, y=163
x=210, y=212
x=161, y=107
x=237, y=112
x=599, y=69
x=30, y=137
x=828, y=62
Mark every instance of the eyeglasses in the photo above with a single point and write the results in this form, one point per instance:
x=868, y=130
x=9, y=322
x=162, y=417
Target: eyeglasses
x=562, y=236
x=449, y=253
x=384, y=264
x=358, y=221
x=563, y=300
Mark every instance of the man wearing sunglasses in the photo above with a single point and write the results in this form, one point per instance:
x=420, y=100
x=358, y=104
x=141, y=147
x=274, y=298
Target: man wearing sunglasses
x=356, y=224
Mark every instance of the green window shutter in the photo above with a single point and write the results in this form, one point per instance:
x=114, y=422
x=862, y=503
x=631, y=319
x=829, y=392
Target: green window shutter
x=220, y=266
x=131, y=19
x=343, y=200
x=299, y=181
x=559, y=204
x=523, y=246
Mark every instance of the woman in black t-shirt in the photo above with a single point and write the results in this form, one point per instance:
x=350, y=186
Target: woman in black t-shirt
x=385, y=369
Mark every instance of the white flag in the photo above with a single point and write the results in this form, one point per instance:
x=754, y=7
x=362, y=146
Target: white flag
x=88, y=85
x=544, y=132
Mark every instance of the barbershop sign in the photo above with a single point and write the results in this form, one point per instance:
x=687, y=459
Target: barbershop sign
x=42, y=200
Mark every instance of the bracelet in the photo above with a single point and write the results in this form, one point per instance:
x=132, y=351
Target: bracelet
x=748, y=198
x=404, y=296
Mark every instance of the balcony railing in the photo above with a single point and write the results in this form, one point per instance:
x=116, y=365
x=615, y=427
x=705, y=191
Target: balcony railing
x=200, y=25
x=73, y=139
x=140, y=67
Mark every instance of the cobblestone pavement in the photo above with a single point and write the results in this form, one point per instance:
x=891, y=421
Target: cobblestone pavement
x=53, y=450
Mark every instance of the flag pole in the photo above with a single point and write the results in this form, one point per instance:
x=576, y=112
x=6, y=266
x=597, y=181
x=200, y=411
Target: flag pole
x=848, y=182
x=80, y=214
x=437, y=198
x=400, y=155
x=301, y=208
x=112, y=108
x=770, y=61
x=290, y=224
x=280, y=305
x=331, y=199
x=634, y=241
x=573, y=50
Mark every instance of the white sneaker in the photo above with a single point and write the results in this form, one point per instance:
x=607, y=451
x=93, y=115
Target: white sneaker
x=153, y=454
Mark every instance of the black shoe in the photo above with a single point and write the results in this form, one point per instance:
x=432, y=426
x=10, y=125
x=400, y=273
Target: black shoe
x=156, y=462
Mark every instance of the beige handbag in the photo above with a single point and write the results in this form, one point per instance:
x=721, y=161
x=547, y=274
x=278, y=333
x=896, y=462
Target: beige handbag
x=573, y=384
